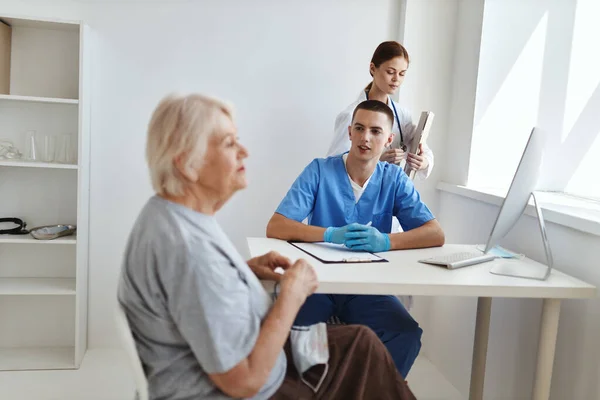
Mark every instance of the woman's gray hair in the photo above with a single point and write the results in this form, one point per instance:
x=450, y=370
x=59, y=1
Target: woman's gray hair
x=180, y=127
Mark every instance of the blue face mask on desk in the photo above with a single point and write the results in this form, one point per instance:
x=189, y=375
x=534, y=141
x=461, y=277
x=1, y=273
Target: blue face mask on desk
x=501, y=252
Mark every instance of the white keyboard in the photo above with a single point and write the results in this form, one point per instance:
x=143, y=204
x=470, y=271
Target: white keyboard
x=459, y=260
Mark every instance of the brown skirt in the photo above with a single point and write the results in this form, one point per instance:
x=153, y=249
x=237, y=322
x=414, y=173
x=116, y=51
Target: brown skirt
x=360, y=367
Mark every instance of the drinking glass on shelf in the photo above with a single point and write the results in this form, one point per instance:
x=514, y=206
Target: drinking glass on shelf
x=49, y=148
x=31, y=146
x=63, y=149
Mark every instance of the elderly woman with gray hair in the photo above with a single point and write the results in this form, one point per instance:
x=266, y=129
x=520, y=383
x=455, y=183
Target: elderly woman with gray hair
x=203, y=325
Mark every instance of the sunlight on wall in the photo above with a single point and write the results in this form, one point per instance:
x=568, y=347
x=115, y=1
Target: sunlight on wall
x=508, y=120
x=586, y=181
x=584, y=68
x=584, y=81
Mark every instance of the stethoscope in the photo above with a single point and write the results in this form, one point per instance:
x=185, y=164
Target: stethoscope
x=19, y=230
x=402, y=145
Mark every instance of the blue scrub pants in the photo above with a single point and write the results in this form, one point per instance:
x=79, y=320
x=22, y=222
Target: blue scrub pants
x=385, y=315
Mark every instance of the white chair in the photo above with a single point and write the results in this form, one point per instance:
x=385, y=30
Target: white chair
x=128, y=343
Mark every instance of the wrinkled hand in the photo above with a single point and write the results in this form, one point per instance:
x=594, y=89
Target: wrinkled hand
x=393, y=156
x=367, y=238
x=299, y=281
x=264, y=266
x=417, y=161
x=338, y=235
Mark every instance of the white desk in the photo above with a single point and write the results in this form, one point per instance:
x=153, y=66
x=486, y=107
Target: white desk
x=404, y=275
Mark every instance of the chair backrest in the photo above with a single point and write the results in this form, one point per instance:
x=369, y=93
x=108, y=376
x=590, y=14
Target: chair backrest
x=128, y=343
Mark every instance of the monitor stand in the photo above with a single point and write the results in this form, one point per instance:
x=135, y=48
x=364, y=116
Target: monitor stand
x=527, y=270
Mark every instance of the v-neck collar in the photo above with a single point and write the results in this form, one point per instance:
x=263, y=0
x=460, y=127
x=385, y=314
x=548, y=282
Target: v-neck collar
x=348, y=194
x=363, y=187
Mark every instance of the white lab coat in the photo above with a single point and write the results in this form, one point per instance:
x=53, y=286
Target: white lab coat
x=341, y=143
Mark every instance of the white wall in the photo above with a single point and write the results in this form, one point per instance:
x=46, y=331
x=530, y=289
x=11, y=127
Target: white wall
x=501, y=74
x=289, y=68
x=508, y=88
x=577, y=115
x=464, y=84
x=429, y=37
x=523, y=81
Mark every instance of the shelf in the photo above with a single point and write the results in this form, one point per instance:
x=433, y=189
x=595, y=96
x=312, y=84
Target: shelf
x=27, y=239
x=33, y=164
x=31, y=99
x=37, y=286
x=43, y=308
x=37, y=358
x=52, y=24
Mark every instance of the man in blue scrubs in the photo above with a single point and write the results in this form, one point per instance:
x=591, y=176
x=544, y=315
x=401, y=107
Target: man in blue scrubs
x=350, y=199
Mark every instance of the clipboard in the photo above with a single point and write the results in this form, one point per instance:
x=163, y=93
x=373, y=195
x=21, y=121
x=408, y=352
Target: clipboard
x=421, y=134
x=329, y=253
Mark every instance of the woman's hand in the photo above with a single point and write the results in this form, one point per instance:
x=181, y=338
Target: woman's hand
x=417, y=161
x=299, y=281
x=248, y=376
x=393, y=156
x=265, y=265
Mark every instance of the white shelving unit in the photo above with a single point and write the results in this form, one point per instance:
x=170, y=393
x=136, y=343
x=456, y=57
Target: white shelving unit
x=43, y=284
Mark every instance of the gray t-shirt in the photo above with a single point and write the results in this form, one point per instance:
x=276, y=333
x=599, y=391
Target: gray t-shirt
x=194, y=305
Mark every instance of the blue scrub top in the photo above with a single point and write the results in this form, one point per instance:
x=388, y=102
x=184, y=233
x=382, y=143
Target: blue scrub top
x=323, y=193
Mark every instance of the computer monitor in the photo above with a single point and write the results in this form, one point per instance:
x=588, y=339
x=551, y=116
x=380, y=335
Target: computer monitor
x=521, y=189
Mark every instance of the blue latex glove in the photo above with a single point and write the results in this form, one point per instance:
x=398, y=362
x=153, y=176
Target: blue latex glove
x=367, y=238
x=338, y=235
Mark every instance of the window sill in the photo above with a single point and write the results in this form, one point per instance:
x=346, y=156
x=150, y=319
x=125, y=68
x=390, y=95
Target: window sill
x=558, y=208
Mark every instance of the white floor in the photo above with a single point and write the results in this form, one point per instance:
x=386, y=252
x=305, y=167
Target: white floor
x=104, y=376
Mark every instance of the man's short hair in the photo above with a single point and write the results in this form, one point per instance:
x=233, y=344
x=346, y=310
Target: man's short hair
x=377, y=106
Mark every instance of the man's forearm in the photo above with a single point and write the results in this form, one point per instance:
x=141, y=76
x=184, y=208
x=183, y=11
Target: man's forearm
x=429, y=234
x=281, y=227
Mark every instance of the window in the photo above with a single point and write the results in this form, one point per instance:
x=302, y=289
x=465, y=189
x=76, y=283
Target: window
x=582, y=115
x=540, y=69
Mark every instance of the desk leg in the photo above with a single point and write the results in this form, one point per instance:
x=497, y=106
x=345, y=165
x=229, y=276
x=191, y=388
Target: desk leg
x=482, y=333
x=546, y=347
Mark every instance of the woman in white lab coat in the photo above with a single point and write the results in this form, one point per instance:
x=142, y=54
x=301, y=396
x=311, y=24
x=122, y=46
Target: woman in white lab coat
x=388, y=67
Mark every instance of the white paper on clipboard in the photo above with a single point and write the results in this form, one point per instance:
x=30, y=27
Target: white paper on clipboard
x=336, y=253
